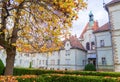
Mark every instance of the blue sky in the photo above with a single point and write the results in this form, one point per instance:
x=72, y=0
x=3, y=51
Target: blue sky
x=96, y=6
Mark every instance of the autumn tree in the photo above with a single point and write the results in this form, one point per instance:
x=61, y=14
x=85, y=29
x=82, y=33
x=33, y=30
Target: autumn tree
x=34, y=25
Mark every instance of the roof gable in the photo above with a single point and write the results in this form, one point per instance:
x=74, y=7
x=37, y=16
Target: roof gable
x=112, y=2
x=104, y=27
x=94, y=28
x=74, y=42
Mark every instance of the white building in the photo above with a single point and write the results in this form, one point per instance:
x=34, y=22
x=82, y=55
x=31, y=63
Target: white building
x=97, y=41
x=97, y=45
x=87, y=38
x=93, y=47
x=113, y=9
x=104, y=48
x=71, y=57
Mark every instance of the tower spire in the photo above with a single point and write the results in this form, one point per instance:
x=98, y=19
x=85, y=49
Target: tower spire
x=103, y=4
x=91, y=18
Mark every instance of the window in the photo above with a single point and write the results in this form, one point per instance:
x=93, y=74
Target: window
x=39, y=62
x=83, y=61
x=92, y=45
x=43, y=61
x=67, y=52
x=58, y=61
x=46, y=62
x=52, y=62
x=103, y=61
x=102, y=43
x=88, y=46
x=33, y=62
x=33, y=55
x=27, y=54
x=67, y=44
x=67, y=61
x=20, y=61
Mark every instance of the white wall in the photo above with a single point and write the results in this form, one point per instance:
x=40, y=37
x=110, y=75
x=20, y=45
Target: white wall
x=71, y=58
x=88, y=37
x=39, y=60
x=114, y=14
x=106, y=36
x=80, y=57
x=107, y=53
x=104, y=51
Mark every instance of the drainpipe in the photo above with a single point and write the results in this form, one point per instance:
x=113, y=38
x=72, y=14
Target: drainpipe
x=75, y=60
x=96, y=52
x=59, y=59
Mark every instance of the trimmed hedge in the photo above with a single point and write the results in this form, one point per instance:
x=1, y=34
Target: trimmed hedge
x=89, y=67
x=30, y=71
x=23, y=71
x=68, y=78
x=39, y=79
x=1, y=67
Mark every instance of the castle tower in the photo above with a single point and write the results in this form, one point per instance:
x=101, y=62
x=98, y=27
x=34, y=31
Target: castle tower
x=113, y=9
x=91, y=19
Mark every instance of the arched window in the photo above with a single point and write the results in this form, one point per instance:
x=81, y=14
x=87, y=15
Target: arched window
x=88, y=46
x=92, y=45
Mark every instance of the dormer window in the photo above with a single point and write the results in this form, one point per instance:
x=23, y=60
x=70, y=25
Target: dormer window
x=88, y=46
x=92, y=45
x=67, y=44
x=67, y=52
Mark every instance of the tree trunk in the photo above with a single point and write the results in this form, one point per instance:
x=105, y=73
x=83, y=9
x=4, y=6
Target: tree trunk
x=10, y=62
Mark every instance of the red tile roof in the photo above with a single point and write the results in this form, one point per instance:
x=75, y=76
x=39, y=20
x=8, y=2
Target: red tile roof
x=104, y=27
x=75, y=43
x=94, y=28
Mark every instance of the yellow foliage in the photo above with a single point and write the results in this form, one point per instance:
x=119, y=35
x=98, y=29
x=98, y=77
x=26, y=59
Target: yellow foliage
x=19, y=49
x=1, y=32
x=19, y=1
x=23, y=13
x=41, y=8
x=13, y=44
x=5, y=30
x=26, y=45
x=41, y=21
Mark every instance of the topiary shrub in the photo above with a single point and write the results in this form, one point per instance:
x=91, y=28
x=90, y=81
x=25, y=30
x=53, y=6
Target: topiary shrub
x=30, y=66
x=89, y=67
x=1, y=67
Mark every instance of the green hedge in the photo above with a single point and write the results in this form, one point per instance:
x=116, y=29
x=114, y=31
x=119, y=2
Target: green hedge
x=89, y=67
x=23, y=71
x=1, y=67
x=69, y=78
x=39, y=79
x=30, y=71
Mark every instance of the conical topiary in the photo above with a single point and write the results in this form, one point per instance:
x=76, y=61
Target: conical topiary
x=90, y=67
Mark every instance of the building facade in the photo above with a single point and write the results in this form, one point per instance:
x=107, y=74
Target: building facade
x=113, y=9
x=104, y=48
x=71, y=57
x=87, y=38
x=94, y=46
x=97, y=42
x=97, y=45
